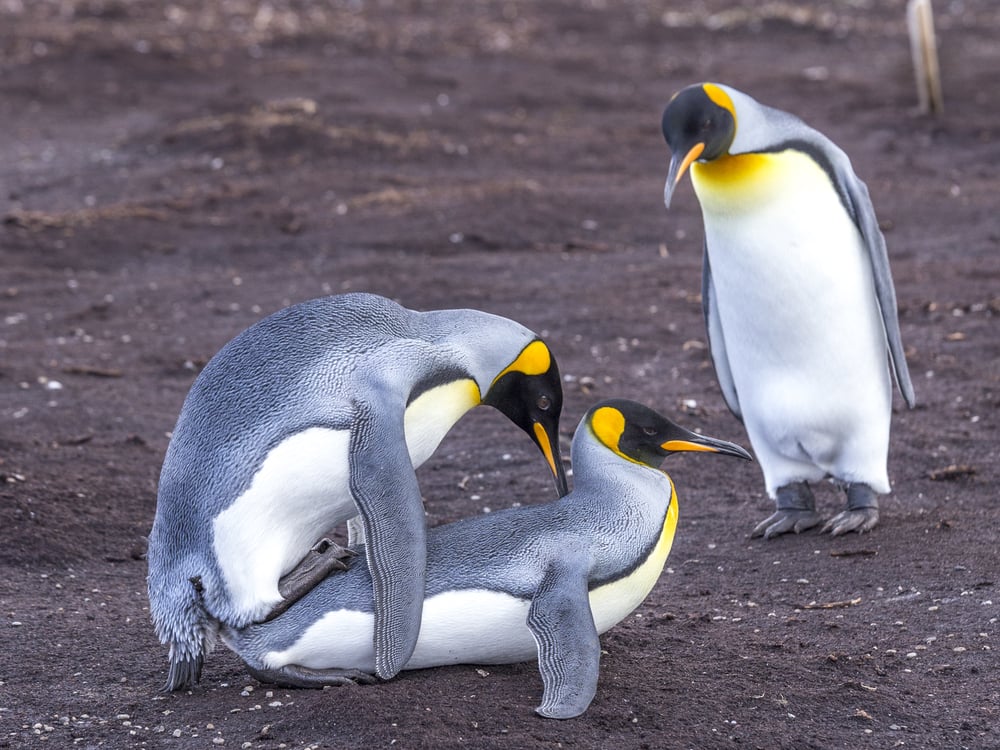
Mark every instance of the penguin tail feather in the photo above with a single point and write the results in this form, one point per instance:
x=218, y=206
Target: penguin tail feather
x=184, y=673
x=181, y=620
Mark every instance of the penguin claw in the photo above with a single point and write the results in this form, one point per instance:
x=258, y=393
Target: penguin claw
x=784, y=520
x=858, y=519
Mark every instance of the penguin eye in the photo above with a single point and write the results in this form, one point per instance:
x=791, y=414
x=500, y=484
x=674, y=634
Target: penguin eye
x=650, y=431
x=544, y=403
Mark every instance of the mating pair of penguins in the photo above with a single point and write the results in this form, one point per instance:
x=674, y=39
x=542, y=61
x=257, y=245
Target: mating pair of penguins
x=319, y=415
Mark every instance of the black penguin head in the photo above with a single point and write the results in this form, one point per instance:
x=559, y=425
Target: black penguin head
x=639, y=434
x=699, y=124
x=529, y=393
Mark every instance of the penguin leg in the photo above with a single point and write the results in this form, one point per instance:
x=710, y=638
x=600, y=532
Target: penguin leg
x=295, y=676
x=325, y=557
x=861, y=514
x=796, y=511
x=569, y=649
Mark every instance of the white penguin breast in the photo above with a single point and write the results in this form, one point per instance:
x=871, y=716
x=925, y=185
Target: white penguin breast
x=472, y=626
x=792, y=278
x=300, y=491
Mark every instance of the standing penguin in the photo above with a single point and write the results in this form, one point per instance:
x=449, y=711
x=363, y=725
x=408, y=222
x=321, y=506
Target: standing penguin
x=798, y=300
x=318, y=414
x=535, y=582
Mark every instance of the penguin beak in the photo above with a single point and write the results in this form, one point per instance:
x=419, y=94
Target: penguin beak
x=548, y=442
x=694, y=442
x=534, y=403
x=678, y=166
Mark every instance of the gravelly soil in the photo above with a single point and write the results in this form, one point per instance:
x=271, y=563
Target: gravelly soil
x=173, y=172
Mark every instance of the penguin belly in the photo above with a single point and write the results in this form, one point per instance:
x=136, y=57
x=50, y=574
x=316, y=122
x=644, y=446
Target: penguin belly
x=802, y=331
x=466, y=626
x=300, y=491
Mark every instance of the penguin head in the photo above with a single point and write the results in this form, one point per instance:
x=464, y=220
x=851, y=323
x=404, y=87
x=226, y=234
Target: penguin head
x=699, y=124
x=641, y=435
x=528, y=391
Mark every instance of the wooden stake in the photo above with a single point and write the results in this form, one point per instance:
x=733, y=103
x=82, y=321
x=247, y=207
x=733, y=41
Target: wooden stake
x=923, y=47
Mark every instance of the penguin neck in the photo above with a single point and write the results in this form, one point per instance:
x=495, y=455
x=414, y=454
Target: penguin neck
x=630, y=487
x=484, y=344
x=744, y=183
x=432, y=414
x=731, y=168
x=637, y=503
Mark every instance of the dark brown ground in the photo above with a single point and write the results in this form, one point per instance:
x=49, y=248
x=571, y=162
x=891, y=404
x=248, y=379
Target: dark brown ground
x=174, y=171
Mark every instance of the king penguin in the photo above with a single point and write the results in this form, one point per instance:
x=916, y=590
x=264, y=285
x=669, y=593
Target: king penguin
x=798, y=300
x=317, y=415
x=532, y=582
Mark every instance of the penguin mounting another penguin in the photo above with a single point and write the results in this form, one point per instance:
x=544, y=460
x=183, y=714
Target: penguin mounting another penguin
x=798, y=300
x=317, y=415
x=532, y=582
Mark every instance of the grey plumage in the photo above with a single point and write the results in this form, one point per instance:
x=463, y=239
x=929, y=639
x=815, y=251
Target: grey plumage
x=259, y=433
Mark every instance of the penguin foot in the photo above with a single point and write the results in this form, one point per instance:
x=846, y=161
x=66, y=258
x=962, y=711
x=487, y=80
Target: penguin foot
x=860, y=520
x=295, y=676
x=861, y=514
x=796, y=511
x=325, y=557
x=783, y=521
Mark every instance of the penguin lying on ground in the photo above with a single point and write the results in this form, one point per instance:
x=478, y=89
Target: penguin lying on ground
x=539, y=581
x=317, y=414
x=798, y=300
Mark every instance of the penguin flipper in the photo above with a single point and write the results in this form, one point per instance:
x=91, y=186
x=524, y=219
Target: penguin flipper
x=864, y=217
x=384, y=486
x=569, y=649
x=716, y=341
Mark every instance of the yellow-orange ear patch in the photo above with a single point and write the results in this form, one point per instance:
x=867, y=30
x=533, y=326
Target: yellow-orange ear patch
x=608, y=425
x=720, y=97
x=534, y=359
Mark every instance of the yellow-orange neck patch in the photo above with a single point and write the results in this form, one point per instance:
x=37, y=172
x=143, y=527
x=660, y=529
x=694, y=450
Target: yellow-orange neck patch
x=745, y=182
x=534, y=359
x=732, y=169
